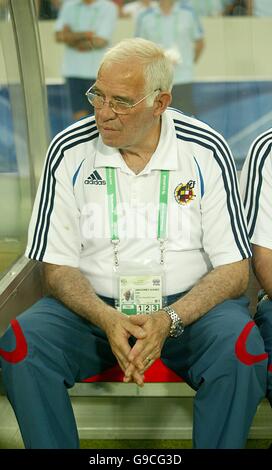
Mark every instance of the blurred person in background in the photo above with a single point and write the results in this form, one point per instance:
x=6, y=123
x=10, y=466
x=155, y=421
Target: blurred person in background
x=135, y=8
x=48, y=9
x=119, y=4
x=86, y=28
x=259, y=7
x=176, y=27
x=237, y=8
x=210, y=7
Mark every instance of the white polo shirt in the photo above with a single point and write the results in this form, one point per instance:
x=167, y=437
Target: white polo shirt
x=100, y=17
x=262, y=8
x=179, y=30
x=256, y=186
x=205, y=225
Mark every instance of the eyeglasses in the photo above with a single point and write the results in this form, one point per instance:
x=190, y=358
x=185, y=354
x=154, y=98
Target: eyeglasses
x=117, y=106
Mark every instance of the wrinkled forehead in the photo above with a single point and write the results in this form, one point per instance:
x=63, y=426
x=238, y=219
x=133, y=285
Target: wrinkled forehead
x=129, y=77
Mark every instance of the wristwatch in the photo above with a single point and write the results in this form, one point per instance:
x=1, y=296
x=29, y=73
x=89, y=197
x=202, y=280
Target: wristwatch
x=262, y=295
x=177, y=325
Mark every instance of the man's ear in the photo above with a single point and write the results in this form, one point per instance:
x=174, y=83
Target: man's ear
x=162, y=101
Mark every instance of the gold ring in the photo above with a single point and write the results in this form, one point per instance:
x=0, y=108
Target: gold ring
x=148, y=359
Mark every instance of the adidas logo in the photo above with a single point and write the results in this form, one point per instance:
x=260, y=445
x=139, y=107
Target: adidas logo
x=94, y=178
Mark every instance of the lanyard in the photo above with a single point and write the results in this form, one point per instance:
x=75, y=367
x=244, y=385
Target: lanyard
x=113, y=218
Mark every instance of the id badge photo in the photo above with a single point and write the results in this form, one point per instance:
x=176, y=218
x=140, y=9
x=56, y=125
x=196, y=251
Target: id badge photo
x=140, y=294
x=139, y=287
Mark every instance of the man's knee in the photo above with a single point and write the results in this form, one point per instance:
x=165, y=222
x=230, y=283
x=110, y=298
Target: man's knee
x=249, y=346
x=14, y=346
x=236, y=334
x=25, y=333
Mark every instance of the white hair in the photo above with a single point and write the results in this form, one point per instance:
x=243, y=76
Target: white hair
x=157, y=66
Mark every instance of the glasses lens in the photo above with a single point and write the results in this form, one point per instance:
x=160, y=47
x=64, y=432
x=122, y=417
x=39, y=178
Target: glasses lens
x=120, y=108
x=96, y=100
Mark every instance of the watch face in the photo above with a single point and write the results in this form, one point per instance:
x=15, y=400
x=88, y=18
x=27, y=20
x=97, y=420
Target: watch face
x=179, y=329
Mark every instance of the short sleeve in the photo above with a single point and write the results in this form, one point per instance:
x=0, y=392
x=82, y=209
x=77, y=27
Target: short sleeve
x=142, y=26
x=54, y=234
x=256, y=187
x=225, y=237
x=198, y=31
x=63, y=17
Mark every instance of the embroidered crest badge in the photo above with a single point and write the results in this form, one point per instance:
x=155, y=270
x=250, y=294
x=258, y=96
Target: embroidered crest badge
x=184, y=193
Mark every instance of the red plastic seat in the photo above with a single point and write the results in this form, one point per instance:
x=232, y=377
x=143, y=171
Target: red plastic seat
x=158, y=372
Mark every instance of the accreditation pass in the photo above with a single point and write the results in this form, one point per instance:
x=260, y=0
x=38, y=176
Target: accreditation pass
x=140, y=294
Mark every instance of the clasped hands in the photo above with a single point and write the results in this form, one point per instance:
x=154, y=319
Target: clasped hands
x=150, y=332
x=80, y=40
x=85, y=43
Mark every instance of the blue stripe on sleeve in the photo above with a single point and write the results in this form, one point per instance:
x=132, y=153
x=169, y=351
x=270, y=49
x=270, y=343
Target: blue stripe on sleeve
x=76, y=173
x=202, y=187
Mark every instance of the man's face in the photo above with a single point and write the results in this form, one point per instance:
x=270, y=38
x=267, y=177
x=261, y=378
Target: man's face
x=126, y=83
